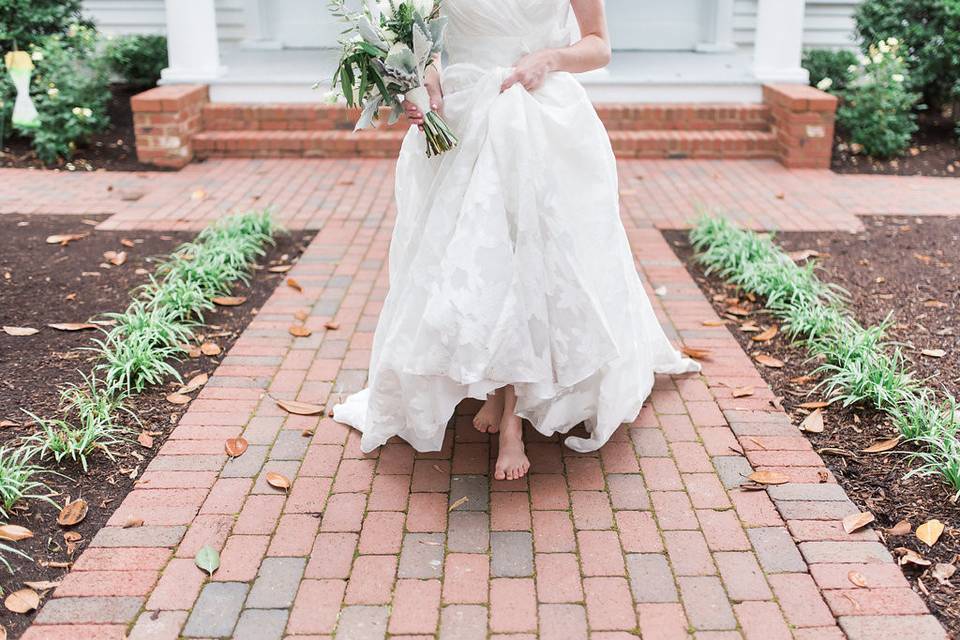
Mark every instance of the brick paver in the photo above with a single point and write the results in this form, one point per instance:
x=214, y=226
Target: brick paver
x=649, y=536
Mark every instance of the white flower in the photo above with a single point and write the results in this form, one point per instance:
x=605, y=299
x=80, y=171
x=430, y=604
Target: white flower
x=892, y=42
x=863, y=59
x=883, y=47
x=87, y=113
x=897, y=77
x=877, y=59
x=53, y=92
x=852, y=68
x=825, y=84
x=77, y=111
x=37, y=56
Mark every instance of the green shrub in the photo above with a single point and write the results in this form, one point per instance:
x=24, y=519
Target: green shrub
x=138, y=59
x=829, y=70
x=930, y=33
x=70, y=90
x=25, y=22
x=877, y=107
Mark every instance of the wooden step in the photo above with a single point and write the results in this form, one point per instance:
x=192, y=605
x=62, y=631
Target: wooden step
x=662, y=143
x=616, y=117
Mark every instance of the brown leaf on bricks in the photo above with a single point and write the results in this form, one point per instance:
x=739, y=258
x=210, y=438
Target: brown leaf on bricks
x=902, y=528
x=235, y=447
x=72, y=513
x=229, y=301
x=299, y=331
x=332, y=326
x=133, y=523
x=278, y=481
x=857, y=521
x=714, y=323
x=768, y=477
x=301, y=316
x=14, y=532
x=293, y=284
x=883, y=445
x=929, y=532
x=22, y=601
x=299, y=408
x=857, y=579
x=769, y=361
x=696, y=354
x=742, y=392
x=767, y=335
x=752, y=486
x=813, y=423
x=210, y=349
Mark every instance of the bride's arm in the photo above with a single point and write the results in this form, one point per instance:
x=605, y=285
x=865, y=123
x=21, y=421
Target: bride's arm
x=591, y=52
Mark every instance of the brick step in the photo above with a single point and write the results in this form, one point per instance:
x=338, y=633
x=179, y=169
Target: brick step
x=617, y=117
x=386, y=144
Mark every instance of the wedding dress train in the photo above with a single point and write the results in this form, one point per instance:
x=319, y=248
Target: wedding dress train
x=509, y=263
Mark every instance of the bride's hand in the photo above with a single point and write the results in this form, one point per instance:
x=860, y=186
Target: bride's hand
x=530, y=71
x=432, y=83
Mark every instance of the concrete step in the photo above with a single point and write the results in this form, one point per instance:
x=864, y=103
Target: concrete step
x=218, y=116
x=662, y=143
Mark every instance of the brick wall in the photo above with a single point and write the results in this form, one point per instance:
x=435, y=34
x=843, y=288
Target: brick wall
x=165, y=120
x=802, y=119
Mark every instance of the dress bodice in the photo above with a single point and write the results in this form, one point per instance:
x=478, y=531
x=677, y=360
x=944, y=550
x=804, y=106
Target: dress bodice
x=491, y=33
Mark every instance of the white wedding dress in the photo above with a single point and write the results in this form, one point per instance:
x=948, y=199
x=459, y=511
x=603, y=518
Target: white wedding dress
x=509, y=263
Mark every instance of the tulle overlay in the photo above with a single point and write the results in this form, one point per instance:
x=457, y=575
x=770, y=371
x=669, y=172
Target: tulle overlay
x=509, y=263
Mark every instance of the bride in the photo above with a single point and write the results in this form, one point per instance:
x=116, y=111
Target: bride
x=511, y=277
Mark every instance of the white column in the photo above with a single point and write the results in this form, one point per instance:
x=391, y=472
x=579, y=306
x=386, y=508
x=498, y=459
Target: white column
x=778, y=45
x=192, y=42
x=259, y=27
x=718, y=27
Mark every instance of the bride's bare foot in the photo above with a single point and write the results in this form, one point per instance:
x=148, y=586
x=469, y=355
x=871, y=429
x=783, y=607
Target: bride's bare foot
x=512, y=462
x=487, y=419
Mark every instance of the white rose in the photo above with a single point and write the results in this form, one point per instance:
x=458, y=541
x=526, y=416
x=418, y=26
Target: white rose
x=77, y=111
x=883, y=46
x=53, y=92
x=897, y=77
x=892, y=42
x=825, y=84
x=37, y=56
x=877, y=59
x=87, y=113
x=852, y=68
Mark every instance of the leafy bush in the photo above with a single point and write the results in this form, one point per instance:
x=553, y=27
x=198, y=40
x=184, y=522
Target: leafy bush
x=70, y=90
x=930, y=33
x=877, y=106
x=25, y=22
x=138, y=59
x=829, y=70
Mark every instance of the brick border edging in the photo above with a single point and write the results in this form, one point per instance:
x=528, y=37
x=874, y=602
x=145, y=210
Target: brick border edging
x=796, y=525
x=802, y=118
x=165, y=119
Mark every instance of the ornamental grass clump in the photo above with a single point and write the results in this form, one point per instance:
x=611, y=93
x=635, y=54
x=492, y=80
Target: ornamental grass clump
x=859, y=365
x=19, y=478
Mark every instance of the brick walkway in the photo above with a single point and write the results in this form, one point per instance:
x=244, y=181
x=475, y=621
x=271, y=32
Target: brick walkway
x=309, y=193
x=649, y=536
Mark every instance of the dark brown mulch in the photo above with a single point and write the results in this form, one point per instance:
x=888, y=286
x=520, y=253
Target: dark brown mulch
x=904, y=266
x=114, y=149
x=42, y=283
x=935, y=151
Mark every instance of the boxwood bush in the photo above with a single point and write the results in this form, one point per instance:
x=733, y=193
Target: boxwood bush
x=137, y=59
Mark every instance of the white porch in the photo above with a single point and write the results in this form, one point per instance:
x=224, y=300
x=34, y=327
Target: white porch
x=681, y=51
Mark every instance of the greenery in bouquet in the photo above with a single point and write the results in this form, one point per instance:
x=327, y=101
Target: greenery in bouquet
x=387, y=49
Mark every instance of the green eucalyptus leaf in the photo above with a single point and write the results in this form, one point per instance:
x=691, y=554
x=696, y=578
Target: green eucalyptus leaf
x=207, y=559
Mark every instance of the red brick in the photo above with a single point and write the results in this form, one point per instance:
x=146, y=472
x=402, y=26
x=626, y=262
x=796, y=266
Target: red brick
x=427, y=512
x=179, y=586
x=416, y=607
x=466, y=577
x=371, y=580
x=513, y=605
x=664, y=621
x=382, y=532
x=107, y=583
x=317, y=607
x=509, y=511
x=558, y=578
x=294, y=536
x=800, y=600
x=600, y=553
x=241, y=557
x=591, y=510
x=762, y=621
x=638, y=532
x=609, y=604
x=553, y=532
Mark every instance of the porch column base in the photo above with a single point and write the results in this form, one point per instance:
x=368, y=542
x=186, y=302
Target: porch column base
x=165, y=119
x=802, y=118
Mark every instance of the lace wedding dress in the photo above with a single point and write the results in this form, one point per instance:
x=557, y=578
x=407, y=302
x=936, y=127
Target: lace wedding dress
x=509, y=263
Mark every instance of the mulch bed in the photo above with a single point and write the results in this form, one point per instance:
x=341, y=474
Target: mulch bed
x=42, y=283
x=934, y=151
x=114, y=149
x=909, y=267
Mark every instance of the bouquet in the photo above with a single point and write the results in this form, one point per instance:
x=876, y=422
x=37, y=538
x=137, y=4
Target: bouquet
x=387, y=50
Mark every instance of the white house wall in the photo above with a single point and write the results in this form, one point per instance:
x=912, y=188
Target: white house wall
x=828, y=23
x=148, y=16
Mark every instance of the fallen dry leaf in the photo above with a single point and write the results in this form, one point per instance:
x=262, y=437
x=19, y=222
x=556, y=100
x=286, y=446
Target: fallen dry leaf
x=857, y=521
x=210, y=349
x=280, y=268
x=883, y=445
x=278, y=480
x=813, y=423
x=301, y=316
x=235, y=447
x=20, y=331
x=145, y=440
x=293, y=284
x=909, y=556
x=198, y=194
x=737, y=310
x=133, y=523
x=819, y=404
x=40, y=585
x=72, y=513
x=72, y=326
x=934, y=353
x=299, y=408
x=229, y=301
x=116, y=258
x=742, y=392
x=929, y=532
x=768, y=361
x=902, y=528
x=696, y=354
x=942, y=572
x=66, y=238
x=803, y=254
x=768, y=477
x=22, y=601
x=332, y=326
x=713, y=323
x=767, y=335
x=8, y=423
x=857, y=579
x=802, y=379
x=195, y=383
x=458, y=502
x=14, y=532
x=127, y=242
x=300, y=331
